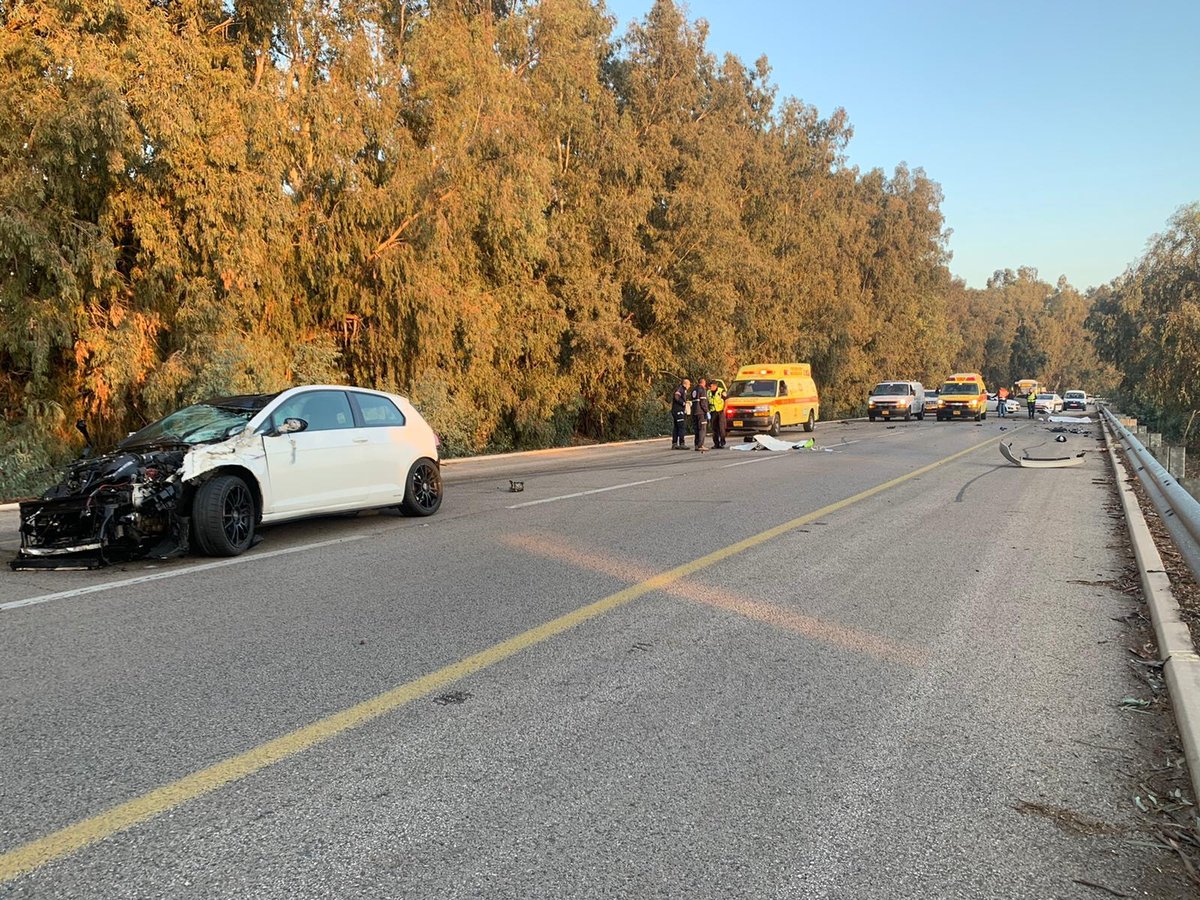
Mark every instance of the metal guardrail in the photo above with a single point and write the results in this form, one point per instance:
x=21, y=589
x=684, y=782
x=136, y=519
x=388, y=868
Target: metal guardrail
x=1178, y=509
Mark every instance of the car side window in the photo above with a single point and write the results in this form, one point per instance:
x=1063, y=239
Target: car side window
x=322, y=410
x=377, y=411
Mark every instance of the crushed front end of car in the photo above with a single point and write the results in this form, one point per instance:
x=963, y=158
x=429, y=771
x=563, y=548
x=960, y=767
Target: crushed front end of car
x=120, y=506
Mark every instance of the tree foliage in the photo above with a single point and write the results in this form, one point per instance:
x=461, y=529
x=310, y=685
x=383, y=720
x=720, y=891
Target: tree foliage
x=1147, y=324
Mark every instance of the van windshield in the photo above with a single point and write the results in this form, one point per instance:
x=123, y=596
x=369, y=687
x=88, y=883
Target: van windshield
x=757, y=387
x=889, y=388
x=969, y=388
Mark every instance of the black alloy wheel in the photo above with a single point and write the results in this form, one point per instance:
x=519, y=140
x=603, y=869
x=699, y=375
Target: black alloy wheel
x=223, y=516
x=423, y=490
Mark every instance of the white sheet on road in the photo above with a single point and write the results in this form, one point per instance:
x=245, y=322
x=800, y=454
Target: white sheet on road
x=774, y=444
x=1072, y=420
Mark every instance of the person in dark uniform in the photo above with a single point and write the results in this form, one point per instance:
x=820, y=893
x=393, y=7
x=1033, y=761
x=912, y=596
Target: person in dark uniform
x=700, y=412
x=679, y=414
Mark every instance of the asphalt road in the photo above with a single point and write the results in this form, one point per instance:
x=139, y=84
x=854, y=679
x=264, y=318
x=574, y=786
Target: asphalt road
x=891, y=670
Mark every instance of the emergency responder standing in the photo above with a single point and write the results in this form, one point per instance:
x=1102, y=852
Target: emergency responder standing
x=1002, y=402
x=716, y=403
x=1031, y=401
x=679, y=414
x=700, y=412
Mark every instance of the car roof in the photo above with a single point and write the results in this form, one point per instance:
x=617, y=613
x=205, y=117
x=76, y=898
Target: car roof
x=243, y=401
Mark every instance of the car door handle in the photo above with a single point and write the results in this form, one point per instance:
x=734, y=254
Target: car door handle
x=361, y=440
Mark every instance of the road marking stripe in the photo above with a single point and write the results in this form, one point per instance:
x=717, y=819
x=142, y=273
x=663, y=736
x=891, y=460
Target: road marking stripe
x=615, y=487
x=171, y=573
x=73, y=838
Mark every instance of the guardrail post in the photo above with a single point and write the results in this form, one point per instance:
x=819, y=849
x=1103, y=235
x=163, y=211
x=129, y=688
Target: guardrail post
x=1176, y=461
x=1154, y=443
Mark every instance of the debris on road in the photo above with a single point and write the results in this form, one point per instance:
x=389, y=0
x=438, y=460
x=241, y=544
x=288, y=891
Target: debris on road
x=515, y=487
x=1134, y=703
x=1072, y=420
x=1029, y=462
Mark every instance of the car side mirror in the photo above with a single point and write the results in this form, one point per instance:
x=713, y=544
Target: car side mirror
x=291, y=426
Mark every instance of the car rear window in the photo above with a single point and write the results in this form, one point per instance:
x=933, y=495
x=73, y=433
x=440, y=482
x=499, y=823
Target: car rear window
x=378, y=411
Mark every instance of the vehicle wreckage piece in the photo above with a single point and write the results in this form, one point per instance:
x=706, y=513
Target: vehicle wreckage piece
x=1028, y=462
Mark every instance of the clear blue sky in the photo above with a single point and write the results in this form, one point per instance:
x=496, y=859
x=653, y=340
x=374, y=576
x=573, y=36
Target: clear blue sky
x=1063, y=134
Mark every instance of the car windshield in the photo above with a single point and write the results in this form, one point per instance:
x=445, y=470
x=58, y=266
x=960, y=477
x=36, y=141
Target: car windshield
x=970, y=388
x=888, y=388
x=1076, y=395
x=196, y=424
x=758, y=387
x=1045, y=396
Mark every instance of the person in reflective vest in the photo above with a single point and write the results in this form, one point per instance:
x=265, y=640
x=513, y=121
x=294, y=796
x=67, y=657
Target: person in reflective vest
x=716, y=403
x=1031, y=400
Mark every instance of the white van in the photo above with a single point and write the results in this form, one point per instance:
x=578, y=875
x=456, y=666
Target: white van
x=892, y=399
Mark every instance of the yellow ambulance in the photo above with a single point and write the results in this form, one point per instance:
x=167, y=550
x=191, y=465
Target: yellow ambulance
x=771, y=396
x=962, y=396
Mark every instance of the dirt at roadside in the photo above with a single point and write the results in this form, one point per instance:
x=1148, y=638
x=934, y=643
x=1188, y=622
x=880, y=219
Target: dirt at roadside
x=1162, y=793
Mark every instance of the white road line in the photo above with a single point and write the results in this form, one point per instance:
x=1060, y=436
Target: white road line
x=171, y=573
x=760, y=459
x=615, y=487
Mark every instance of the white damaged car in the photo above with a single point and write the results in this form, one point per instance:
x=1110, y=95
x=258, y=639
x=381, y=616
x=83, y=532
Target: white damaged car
x=209, y=474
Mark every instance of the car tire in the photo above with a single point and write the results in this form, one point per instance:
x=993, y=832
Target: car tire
x=871, y=418
x=773, y=431
x=422, y=489
x=908, y=416
x=223, y=516
x=812, y=421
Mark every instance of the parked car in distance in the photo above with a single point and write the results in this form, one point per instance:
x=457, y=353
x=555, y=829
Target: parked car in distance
x=209, y=474
x=1048, y=403
x=1075, y=400
x=893, y=399
x=1014, y=406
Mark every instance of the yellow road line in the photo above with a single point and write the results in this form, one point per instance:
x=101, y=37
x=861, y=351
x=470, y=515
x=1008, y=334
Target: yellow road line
x=73, y=838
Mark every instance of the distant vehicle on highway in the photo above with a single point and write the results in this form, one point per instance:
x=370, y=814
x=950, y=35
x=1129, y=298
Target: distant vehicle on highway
x=963, y=395
x=1075, y=400
x=771, y=396
x=209, y=474
x=1025, y=386
x=1048, y=403
x=891, y=399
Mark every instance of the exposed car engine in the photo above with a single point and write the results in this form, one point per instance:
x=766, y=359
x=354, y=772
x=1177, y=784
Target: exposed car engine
x=123, y=505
